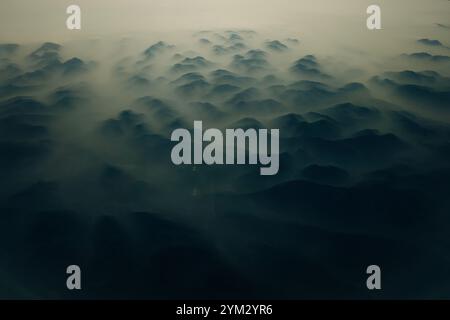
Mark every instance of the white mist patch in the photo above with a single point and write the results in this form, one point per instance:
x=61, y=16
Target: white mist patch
x=231, y=151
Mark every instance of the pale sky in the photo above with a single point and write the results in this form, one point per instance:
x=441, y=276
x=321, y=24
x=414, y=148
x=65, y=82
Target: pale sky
x=24, y=20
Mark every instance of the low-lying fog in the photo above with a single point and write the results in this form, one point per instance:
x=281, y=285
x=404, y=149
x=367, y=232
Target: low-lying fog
x=85, y=169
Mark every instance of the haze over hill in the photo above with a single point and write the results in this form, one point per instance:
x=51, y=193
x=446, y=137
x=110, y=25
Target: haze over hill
x=85, y=169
